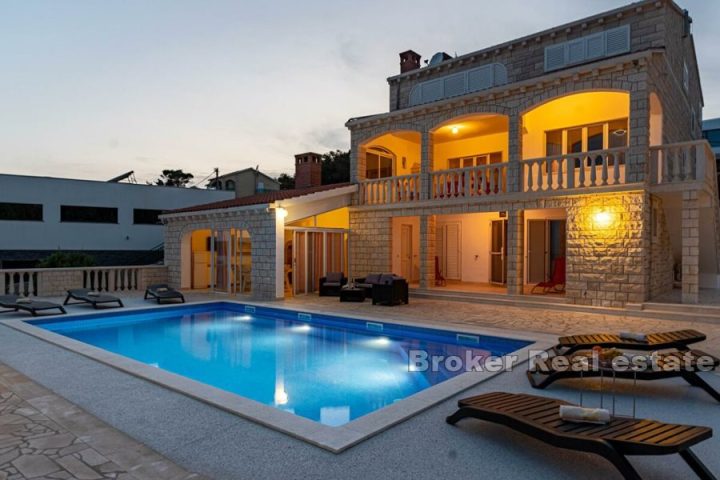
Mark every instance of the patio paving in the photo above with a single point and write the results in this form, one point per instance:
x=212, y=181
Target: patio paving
x=204, y=439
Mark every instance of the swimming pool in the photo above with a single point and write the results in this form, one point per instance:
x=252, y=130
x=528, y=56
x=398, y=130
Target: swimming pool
x=327, y=369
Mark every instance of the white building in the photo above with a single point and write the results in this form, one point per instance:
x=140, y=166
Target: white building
x=115, y=222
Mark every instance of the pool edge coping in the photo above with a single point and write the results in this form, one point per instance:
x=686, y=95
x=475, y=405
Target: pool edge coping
x=333, y=439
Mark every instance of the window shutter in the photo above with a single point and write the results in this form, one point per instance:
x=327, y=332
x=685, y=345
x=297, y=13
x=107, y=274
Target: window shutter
x=594, y=46
x=617, y=40
x=416, y=97
x=554, y=57
x=480, y=78
x=454, y=85
x=432, y=90
x=576, y=51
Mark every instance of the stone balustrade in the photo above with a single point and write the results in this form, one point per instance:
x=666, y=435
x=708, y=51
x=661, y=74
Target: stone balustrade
x=56, y=281
x=682, y=162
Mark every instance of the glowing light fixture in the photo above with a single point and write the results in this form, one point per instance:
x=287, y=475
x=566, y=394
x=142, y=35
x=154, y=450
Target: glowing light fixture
x=455, y=129
x=379, y=342
x=301, y=328
x=244, y=318
x=281, y=397
x=280, y=212
x=602, y=219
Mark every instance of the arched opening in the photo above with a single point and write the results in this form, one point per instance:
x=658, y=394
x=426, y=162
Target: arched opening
x=558, y=135
x=217, y=260
x=230, y=185
x=469, y=156
x=389, y=155
x=579, y=122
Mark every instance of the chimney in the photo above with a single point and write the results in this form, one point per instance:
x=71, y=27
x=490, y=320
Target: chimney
x=308, y=170
x=409, y=61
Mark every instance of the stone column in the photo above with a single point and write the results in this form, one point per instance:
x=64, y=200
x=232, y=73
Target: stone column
x=690, y=247
x=636, y=163
x=427, y=251
x=514, y=153
x=515, y=251
x=426, y=163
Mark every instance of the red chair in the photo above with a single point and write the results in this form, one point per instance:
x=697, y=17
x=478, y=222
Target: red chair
x=439, y=279
x=556, y=283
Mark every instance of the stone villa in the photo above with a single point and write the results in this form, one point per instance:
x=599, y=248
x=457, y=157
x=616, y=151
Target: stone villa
x=572, y=154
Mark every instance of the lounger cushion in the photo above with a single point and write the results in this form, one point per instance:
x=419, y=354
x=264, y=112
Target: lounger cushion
x=372, y=278
x=333, y=277
x=331, y=284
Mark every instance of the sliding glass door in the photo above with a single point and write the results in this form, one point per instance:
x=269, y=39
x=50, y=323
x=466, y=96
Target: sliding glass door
x=316, y=252
x=231, y=264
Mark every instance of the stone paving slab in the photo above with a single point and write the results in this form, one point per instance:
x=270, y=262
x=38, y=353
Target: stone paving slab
x=41, y=437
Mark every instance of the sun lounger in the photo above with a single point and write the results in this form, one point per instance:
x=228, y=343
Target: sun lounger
x=678, y=339
x=539, y=417
x=87, y=295
x=162, y=292
x=543, y=374
x=556, y=283
x=14, y=303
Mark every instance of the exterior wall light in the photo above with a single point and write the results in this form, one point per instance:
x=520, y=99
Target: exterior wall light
x=280, y=212
x=603, y=219
x=281, y=397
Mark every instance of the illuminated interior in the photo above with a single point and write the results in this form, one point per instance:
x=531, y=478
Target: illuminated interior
x=470, y=141
x=392, y=154
x=580, y=122
x=219, y=262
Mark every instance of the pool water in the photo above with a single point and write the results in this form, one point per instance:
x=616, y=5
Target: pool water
x=329, y=369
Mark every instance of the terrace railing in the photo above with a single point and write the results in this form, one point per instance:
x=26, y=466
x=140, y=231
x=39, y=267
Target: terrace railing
x=574, y=170
x=56, y=281
x=480, y=181
x=676, y=163
x=401, y=189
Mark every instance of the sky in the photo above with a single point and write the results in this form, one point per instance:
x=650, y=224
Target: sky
x=92, y=89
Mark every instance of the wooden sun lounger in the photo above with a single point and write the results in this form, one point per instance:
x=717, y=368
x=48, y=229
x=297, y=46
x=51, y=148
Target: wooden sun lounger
x=678, y=339
x=157, y=292
x=33, y=307
x=539, y=417
x=82, y=295
x=543, y=375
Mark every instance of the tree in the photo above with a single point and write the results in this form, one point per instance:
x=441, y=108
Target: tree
x=336, y=167
x=174, y=178
x=286, y=181
x=67, y=260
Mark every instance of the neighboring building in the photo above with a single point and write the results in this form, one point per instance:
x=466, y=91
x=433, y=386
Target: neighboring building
x=246, y=182
x=573, y=153
x=117, y=223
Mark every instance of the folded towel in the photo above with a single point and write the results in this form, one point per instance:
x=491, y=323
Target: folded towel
x=584, y=415
x=23, y=300
x=162, y=289
x=637, y=336
x=93, y=294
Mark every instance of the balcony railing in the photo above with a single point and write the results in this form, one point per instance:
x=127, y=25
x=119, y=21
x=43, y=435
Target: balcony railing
x=670, y=164
x=574, y=170
x=405, y=188
x=484, y=180
x=682, y=162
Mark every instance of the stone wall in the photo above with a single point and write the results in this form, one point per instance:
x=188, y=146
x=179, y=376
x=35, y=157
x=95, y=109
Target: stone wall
x=258, y=221
x=524, y=57
x=370, y=241
x=661, y=257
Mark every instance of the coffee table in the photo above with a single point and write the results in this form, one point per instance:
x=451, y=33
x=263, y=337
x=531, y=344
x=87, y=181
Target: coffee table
x=352, y=295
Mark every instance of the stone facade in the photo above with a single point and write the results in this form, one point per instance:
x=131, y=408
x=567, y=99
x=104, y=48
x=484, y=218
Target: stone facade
x=259, y=221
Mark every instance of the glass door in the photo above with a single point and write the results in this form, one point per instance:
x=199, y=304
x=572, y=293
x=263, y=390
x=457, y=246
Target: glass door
x=315, y=252
x=498, y=249
x=231, y=263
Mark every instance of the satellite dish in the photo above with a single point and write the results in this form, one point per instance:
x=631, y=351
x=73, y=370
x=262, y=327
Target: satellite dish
x=439, y=57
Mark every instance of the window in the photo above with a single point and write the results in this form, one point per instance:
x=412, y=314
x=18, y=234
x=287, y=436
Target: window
x=71, y=213
x=260, y=187
x=378, y=163
x=230, y=185
x=142, y=216
x=27, y=212
x=599, y=136
x=475, y=160
x=686, y=77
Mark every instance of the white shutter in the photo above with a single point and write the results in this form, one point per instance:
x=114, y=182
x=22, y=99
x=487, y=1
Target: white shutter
x=452, y=251
x=617, y=40
x=454, y=85
x=480, y=78
x=432, y=90
x=416, y=97
x=576, y=50
x=595, y=46
x=499, y=74
x=554, y=57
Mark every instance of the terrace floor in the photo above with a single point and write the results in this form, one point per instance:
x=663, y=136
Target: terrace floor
x=164, y=429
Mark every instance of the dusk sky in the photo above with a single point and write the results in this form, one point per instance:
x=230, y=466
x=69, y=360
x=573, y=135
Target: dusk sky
x=92, y=89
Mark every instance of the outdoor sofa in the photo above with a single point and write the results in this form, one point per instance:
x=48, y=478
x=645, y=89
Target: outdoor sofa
x=330, y=284
x=385, y=288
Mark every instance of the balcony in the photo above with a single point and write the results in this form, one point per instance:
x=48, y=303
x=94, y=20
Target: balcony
x=668, y=167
